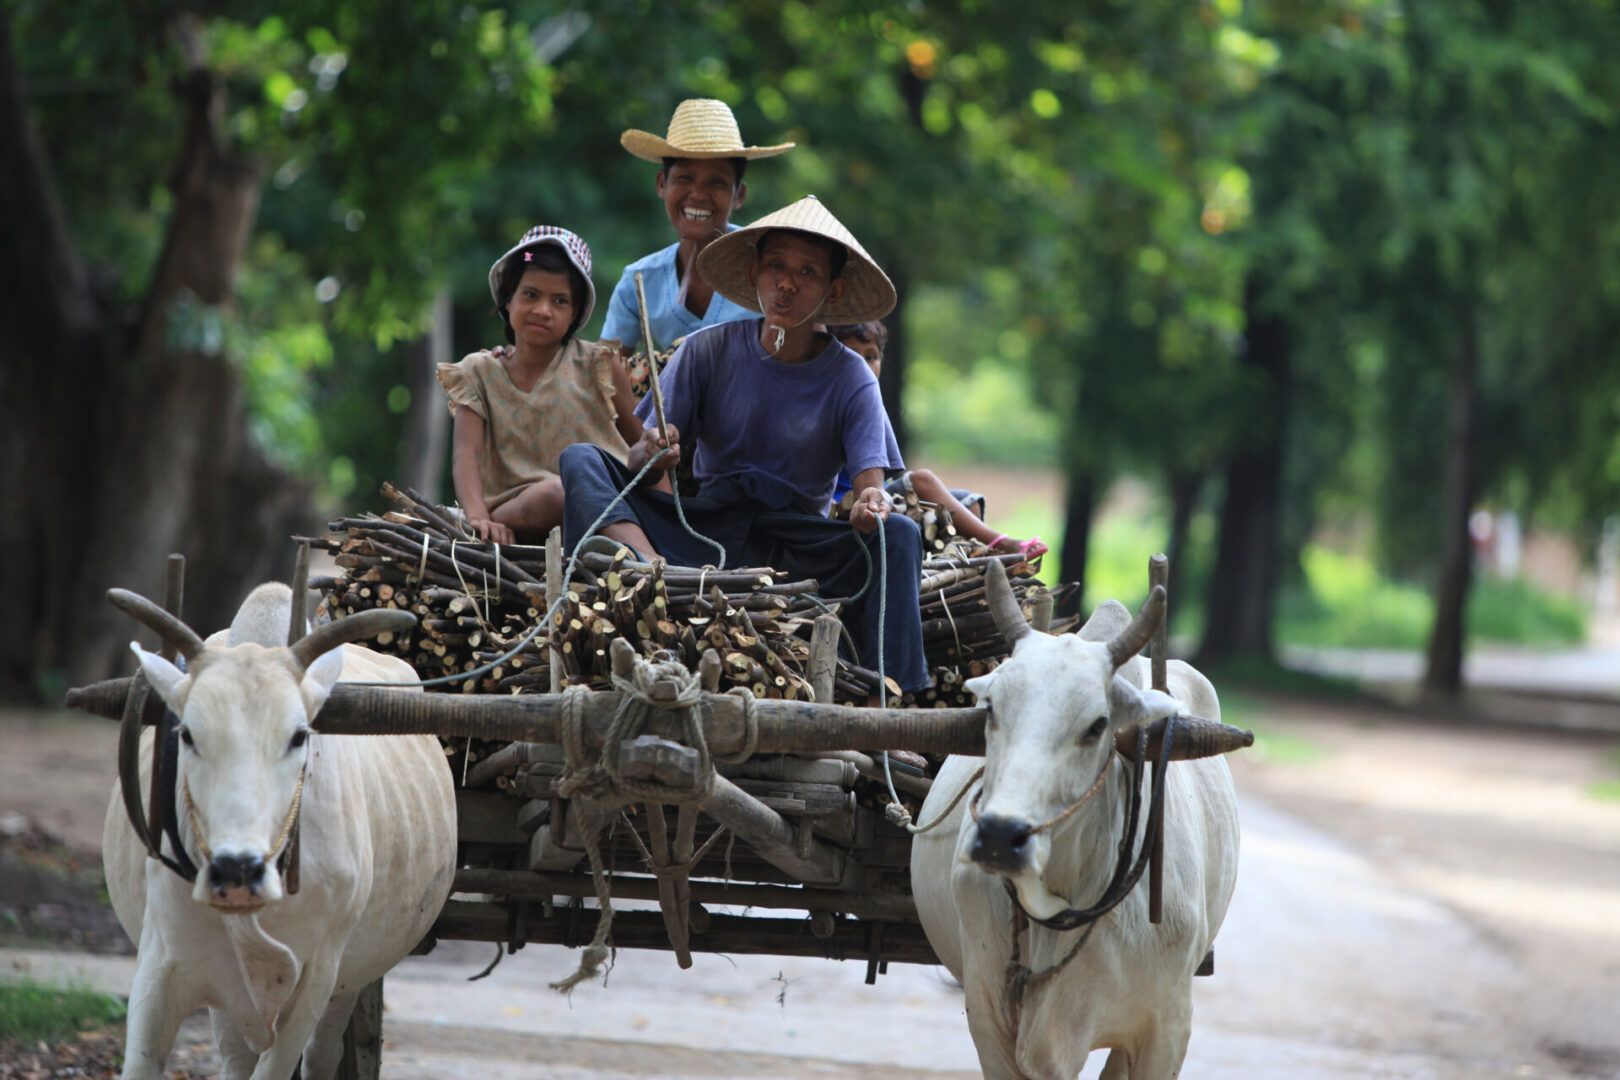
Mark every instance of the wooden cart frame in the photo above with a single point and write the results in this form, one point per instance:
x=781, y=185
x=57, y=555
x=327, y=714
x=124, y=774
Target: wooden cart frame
x=805, y=823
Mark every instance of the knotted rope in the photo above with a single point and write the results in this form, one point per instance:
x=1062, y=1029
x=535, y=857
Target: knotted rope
x=601, y=778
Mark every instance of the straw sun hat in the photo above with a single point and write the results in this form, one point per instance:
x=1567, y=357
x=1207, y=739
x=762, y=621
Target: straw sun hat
x=700, y=128
x=868, y=293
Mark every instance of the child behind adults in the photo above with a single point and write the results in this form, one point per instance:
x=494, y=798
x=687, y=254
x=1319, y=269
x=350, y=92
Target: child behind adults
x=867, y=340
x=517, y=408
x=773, y=408
x=700, y=182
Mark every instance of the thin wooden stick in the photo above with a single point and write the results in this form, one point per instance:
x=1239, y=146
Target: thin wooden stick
x=647, y=342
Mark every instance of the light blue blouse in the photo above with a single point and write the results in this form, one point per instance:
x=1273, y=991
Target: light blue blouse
x=665, y=312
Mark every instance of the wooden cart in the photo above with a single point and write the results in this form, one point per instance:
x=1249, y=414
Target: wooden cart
x=691, y=797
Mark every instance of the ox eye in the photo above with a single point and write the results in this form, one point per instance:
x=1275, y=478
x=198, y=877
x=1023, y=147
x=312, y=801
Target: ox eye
x=1095, y=731
x=299, y=737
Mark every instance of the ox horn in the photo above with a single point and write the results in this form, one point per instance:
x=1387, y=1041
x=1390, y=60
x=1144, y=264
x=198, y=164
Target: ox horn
x=366, y=624
x=167, y=626
x=1129, y=641
x=1195, y=737
x=1009, y=618
x=298, y=620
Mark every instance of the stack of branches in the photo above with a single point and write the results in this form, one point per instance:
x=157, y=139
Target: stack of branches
x=960, y=639
x=478, y=606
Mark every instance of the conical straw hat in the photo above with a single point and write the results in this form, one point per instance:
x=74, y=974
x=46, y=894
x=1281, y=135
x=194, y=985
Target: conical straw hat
x=868, y=293
x=700, y=128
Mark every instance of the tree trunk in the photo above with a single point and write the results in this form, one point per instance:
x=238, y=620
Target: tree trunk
x=1184, y=488
x=1443, y=674
x=57, y=347
x=1243, y=586
x=182, y=473
x=1079, y=504
x=427, y=423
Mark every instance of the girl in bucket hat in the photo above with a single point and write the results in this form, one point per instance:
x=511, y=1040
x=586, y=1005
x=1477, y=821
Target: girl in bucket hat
x=770, y=409
x=517, y=408
x=702, y=160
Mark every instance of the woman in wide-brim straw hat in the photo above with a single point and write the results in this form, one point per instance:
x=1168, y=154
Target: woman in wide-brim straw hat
x=702, y=159
x=772, y=409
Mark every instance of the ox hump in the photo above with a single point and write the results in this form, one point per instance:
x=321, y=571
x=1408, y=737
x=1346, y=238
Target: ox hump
x=262, y=618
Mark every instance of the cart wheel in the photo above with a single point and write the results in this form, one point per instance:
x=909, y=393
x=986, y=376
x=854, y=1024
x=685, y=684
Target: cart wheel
x=362, y=1040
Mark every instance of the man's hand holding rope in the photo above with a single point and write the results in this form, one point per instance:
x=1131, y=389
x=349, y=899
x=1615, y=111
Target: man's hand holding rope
x=871, y=501
x=648, y=446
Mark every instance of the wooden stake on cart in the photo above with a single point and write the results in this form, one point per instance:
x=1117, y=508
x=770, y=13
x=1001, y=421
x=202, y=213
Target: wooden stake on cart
x=1159, y=574
x=647, y=343
x=554, y=588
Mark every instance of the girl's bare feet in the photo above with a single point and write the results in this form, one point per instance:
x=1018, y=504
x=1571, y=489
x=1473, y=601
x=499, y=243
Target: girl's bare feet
x=1032, y=548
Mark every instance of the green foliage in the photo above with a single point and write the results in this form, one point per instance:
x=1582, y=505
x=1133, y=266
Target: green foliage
x=1518, y=612
x=1077, y=203
x=31, y=1012
x=1123, y=540
x=1604, y=790
x=1345, y=601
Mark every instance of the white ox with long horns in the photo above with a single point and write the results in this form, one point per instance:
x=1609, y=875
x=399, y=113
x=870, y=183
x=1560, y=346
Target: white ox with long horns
x=375, y=820
x=1034, y=848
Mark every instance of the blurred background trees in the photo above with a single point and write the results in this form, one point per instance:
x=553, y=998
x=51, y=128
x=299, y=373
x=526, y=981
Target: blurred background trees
x=1310, y=282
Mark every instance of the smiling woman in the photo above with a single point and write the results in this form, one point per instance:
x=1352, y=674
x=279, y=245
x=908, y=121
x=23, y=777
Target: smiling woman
x=700, y=183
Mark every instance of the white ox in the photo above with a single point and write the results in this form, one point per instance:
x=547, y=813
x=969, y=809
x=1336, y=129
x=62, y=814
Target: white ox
x=1040, y=999
x=377, y=844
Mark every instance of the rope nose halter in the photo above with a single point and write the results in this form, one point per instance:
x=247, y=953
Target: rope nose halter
x=289, y=823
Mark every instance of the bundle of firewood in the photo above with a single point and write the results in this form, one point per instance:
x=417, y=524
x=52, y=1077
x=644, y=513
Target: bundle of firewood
x=479, y=607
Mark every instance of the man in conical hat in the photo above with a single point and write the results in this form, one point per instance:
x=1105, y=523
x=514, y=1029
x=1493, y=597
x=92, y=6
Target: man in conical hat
x=702, y=159
x=771, y=408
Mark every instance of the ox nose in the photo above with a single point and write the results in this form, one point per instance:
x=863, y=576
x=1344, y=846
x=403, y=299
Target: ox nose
x=236, y=871
x=1001, y=844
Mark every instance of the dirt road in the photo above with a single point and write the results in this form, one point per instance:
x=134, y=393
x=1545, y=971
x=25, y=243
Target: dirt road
x=1416, y=900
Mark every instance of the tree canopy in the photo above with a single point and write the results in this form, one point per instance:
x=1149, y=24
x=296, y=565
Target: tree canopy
x=1366, y=247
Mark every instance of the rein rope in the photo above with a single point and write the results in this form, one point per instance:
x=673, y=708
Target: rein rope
x=1126, y=872
x=288, y=823
x=1020, y=978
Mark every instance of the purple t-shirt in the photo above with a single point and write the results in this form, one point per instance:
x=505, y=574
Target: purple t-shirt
x=772, y=432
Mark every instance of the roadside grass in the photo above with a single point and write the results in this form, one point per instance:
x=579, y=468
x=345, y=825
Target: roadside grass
x=1346, y=601
x=31, y=1012
x=1608, y=789
x=1604, y=790
x=1240, y=708
x=1343, y=600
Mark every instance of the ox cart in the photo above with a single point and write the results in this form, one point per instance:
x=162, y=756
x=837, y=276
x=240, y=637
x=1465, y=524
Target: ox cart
x=645, y=733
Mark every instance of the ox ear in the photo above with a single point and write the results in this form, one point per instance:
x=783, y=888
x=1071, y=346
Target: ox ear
x=1131, y=705
x=170, y=682
x=980, y=687
x=319, y=678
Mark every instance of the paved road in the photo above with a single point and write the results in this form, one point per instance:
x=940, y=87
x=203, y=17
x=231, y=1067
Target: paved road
x=1415, y=900
x=1590, y=671
x=1325, y=969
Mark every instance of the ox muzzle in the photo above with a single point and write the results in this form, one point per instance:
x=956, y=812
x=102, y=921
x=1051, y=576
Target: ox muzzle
x=236, y=881
x=1003, y=845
